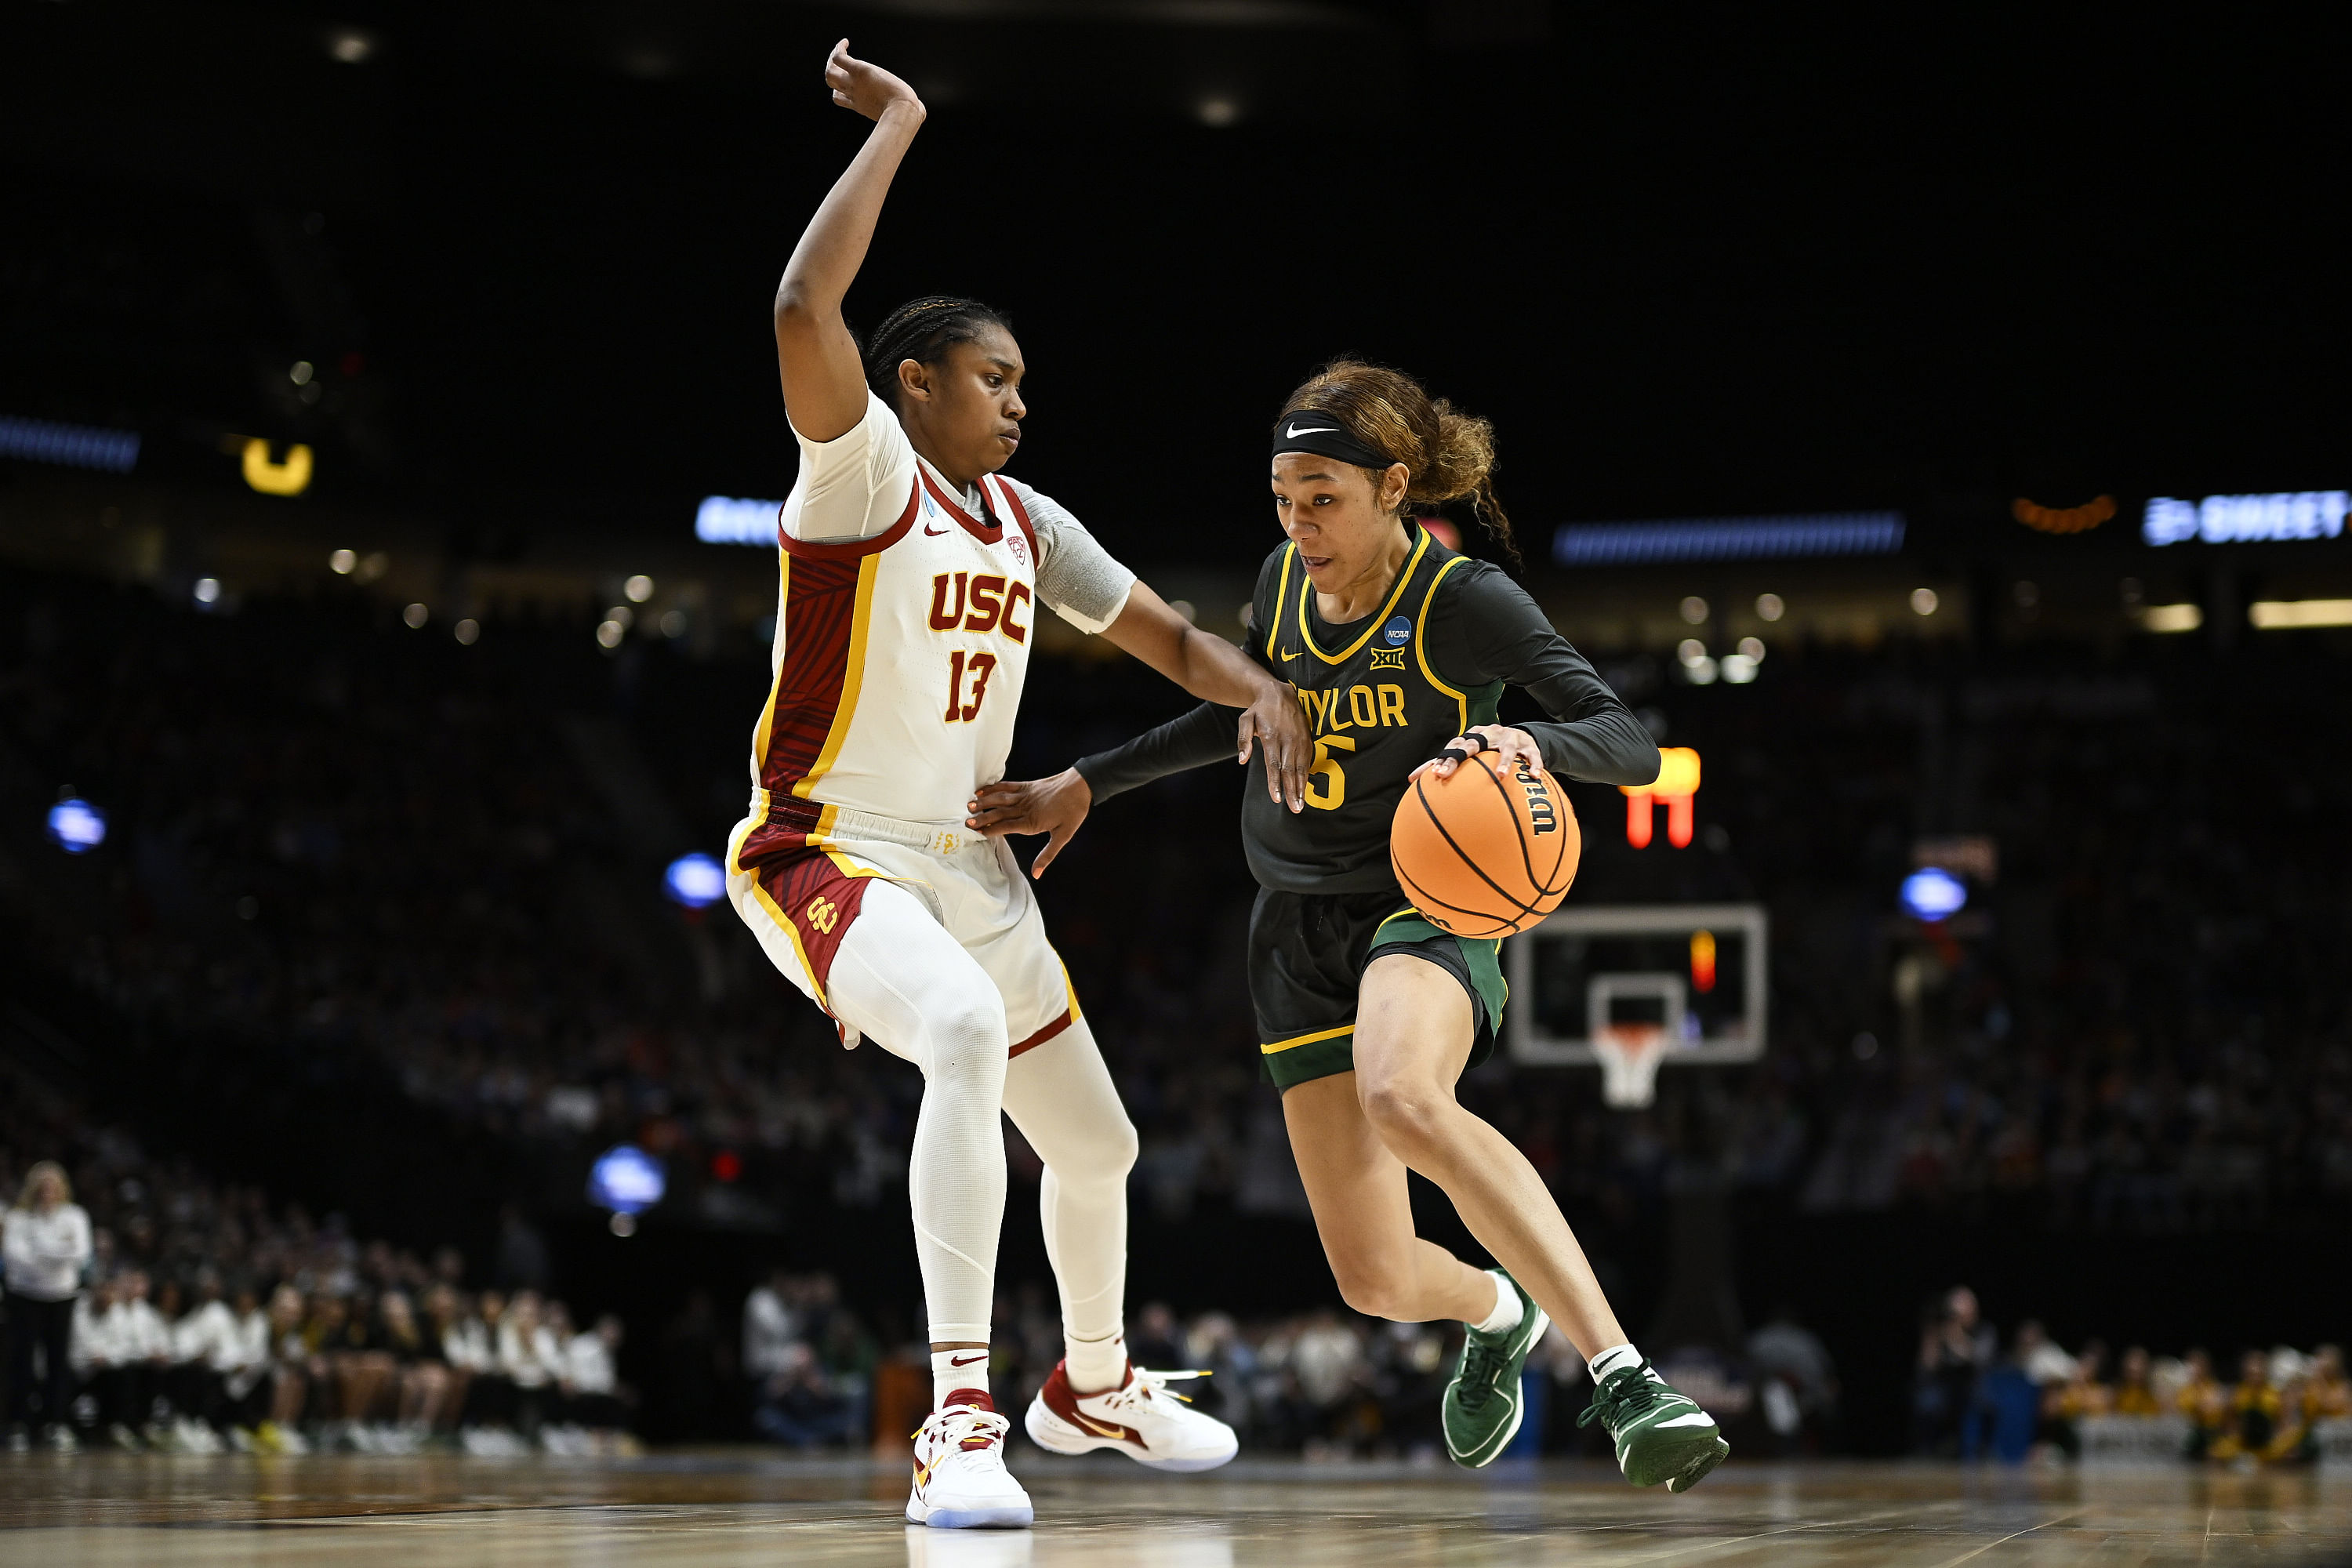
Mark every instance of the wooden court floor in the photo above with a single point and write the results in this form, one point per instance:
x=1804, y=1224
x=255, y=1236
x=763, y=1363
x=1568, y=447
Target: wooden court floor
x=729, y=1508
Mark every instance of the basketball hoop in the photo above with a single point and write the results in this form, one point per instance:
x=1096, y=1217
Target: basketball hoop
x=1630, y=1055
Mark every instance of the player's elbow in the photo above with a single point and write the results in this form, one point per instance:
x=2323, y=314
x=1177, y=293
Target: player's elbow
x=797, y=306
x=1641, y=763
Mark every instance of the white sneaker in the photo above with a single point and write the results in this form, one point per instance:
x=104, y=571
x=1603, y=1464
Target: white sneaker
x=1140, y=1418
x=961, y=1481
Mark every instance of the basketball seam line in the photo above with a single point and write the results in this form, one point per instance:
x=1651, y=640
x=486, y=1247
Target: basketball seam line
x=1426, y=897
x=1541, y=884
x=1508, y=928
x=1420, y=793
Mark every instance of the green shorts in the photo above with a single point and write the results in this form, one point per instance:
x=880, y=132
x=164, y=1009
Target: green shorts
x=1307, y=957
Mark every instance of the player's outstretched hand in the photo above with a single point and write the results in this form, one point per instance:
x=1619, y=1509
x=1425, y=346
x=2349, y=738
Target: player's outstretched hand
x=863, y=87
x=1277, y=724
x=1056, y=806
x=1515, y=746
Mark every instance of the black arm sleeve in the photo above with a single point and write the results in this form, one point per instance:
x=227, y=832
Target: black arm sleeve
x=1204, y=735
x=1207, y=734
x=1486, y=628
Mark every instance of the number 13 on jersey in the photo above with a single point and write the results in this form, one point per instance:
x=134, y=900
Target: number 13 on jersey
x=978, y=667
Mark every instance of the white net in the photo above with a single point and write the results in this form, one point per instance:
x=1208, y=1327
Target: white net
x=1630, y=1056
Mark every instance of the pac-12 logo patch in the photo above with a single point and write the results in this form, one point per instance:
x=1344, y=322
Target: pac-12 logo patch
x=1020, y=550
x=1397, y=631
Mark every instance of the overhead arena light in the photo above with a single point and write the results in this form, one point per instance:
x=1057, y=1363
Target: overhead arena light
x=1728, y=537
x=68, y=445
x=77, y=826
x=627, y=1181
x=724, y=519
x=2276, y=518
x=2285, y=614
x=695, y=880
x=1934, y=893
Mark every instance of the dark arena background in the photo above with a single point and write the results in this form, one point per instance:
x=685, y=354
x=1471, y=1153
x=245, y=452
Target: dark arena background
x=1934, y=426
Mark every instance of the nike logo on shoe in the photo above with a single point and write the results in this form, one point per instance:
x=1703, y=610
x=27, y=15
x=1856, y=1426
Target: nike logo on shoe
x=1696, y=1418
x=1294, y=433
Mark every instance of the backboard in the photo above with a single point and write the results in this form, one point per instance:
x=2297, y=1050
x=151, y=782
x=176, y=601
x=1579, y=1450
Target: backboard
x=1696, y=969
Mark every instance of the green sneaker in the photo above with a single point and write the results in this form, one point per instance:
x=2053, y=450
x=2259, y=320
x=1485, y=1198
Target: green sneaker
x=1661, y=1436
x=1482, y=1404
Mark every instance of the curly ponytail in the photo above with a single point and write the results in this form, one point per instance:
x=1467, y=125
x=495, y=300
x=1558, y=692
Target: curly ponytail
x=1448, y=455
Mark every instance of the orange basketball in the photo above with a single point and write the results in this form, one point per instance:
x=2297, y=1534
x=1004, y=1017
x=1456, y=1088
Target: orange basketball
x=1485, y=852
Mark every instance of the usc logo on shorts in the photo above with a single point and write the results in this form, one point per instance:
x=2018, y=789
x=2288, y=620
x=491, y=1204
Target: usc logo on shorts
x=823, y=914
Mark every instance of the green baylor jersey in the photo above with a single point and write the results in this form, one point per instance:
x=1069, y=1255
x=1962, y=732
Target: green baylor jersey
x=1377, y=708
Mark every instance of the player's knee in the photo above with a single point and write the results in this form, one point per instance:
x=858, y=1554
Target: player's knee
x=1367, y=1288
x=1404, y=1113
x=1119, y=1147
x=968, y=1034
x=1097, y=1152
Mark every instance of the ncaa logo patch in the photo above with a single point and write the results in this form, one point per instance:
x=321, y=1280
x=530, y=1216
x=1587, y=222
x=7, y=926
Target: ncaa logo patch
x=1397, y=631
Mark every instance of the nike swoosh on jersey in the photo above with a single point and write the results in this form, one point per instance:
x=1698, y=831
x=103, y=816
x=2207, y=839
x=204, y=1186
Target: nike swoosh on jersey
x=933, y=532
x=1290, y=656
x=1294, y=433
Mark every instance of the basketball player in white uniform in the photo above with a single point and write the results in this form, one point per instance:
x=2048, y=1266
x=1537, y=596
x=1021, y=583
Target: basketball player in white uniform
x=912, y=577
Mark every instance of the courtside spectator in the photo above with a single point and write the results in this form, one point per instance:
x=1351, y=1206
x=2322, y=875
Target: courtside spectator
x=803, y=1405
x=2135, y=1391
x=770, y=1327
x=46, y=1241
x=2250, y=1424
x=1796, y=1381
x=202, y=1340
x=1956, y=1347
x=244, y=1366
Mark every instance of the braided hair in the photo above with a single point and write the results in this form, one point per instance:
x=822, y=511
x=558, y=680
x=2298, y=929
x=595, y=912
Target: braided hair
x=1448, y=454
x=923, y=330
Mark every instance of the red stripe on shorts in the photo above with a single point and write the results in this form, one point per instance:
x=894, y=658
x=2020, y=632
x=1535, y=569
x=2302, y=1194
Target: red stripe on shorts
x=1042, y=1036
x=820, y=899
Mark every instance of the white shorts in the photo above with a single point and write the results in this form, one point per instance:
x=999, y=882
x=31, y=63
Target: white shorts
x=894, y=900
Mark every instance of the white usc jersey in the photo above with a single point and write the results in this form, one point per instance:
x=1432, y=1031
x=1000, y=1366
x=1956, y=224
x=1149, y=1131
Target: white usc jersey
x=899, y=664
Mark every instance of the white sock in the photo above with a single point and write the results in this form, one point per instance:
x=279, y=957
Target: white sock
x=956, y=1370
x=1095, y=1366
x=1508, y=1308
x=1616, y=1358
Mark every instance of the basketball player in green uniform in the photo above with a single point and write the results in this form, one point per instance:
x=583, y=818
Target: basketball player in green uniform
x=1368, y=1014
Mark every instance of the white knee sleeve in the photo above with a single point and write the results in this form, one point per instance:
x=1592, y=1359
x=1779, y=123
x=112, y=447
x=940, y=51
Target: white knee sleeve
x=1061, y=1097
x=905, y=984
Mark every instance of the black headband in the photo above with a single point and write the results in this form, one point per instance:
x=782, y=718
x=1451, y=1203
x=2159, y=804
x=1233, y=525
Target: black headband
x=1309, y=430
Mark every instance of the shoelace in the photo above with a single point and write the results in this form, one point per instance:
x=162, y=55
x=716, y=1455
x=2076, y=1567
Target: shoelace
x=1148, y=1385
x=963, y=1427
x=1482, y=1364
x=1622, y=1396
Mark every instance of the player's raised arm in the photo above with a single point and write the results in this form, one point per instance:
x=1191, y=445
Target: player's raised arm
x=824, y=385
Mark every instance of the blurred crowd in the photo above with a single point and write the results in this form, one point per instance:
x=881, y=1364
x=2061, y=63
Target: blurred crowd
x=338, y=835
x=165, y=1312
x=1976, y=1396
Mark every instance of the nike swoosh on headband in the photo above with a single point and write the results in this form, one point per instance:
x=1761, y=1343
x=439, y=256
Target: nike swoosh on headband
x=1294, y=433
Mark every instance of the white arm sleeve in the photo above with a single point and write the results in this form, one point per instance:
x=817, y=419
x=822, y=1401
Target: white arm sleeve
x=1081, y=579
x=855, y=485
